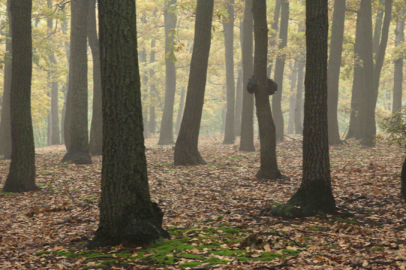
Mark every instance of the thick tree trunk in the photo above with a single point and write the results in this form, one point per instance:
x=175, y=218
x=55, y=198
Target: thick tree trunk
x=279, y=69
x=398, y=76
x=247, y=116
x=314, y=195
x=334, y=64
x=180, y=110
x=5, y=125
x=299, y=98
x=367, y=108
x=21, y=177
x=292, y=99
x=274, y=30
x=238, y=104
x=76, y=123
x=186, y=148
x=96, y=128
x=127, y=215
x=269, y=165
x=229, y=135
x=166, y=135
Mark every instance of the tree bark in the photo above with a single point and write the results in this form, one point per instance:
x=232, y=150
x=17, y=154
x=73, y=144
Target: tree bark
x=76, y=123
x=299, y=98
x=238, y=104
x=292, y=99
x=334, y=64
x=186, y=147
x=274, y=30
x=398, y=63
x=247, y=116
x=21, y=177
x=166, y=135
x=378, y=27
x=96, y=128
x=180, y=110
x=279, y=69
x=64, y=27
x=229, y=135
x=127, y=215
x=314, y=195
x=5, y=124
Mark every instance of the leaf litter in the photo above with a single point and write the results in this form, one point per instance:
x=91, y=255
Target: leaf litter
x=217, y=214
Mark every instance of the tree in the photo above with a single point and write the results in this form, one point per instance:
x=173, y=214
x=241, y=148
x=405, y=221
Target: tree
x=76, y=131
x=166, y=135
x=315, y=194
x=96, y=128
x=247, y=116
x=5, y=125
x=229, y=134
x=274, y=29
x=299, y=99
x=180, y=110
x=269, y=165
x=127, y=215
x=279, y=70
x=21, y=177
x=398, y=63
x=292, y=98
x=186, y=147
x=334, y=64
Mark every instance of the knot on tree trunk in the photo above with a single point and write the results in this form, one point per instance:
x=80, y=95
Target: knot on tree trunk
x=252, y=86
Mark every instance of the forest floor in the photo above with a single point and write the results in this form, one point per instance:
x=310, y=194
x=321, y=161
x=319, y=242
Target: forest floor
x=217, y=214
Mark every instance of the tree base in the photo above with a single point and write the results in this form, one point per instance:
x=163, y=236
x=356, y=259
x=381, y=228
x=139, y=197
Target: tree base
x=315, y=198
x=98, y=152
x=18, y=187
x=270, y=175
x=166, y=142
x=77, y=158
x=247, y=148
x=188, y=158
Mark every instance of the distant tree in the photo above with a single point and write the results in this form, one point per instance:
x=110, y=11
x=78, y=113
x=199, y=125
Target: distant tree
x=5, y=125
x=180, y=110
x=153, y=92
x=398, y=63
x=127, y=215
x=292, y=98
x=229, y=134
x=238, y=104
x=299, y=98
x=279, y=70
x=334, y=65
x=76, y=123
x=247, y=116
x=274, y=32
x=166, y=134
x=314, y=195
x=96, y=128
x=186, y=148
x=21, y=176
x=269, y=165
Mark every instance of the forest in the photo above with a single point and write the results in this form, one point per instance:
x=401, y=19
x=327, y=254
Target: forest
x=202, y=134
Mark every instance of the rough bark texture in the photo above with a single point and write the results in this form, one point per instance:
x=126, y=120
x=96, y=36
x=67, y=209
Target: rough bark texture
x=229, y=135
x=127, y=215
x=279, y=69
x=314, y=195
x=96, y=128
x=180, y=110
x=299, y=98
x=247, y=116
x=274, y=30
x=76, y=123
x=292, y=99
x=5, y=125
x=166, y=135
x=21, y=176
x=398, y=76
x=334, y=64
x=186, y=148
x=367, y=107
x=269, y=166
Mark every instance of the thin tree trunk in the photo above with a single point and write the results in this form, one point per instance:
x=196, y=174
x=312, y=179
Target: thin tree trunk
x=334, y=64
x=378, y=27
x=144, y=93
x=180, y=110
x=186, y=148
x=5, y=125
x=238, y=104
x=21, y=177
x=64, y=26
x=274, y=30
x=279, y=70
x=166, y=135
x=269, y=165
x=229, y=135
x=76, y=124
x=127, y=215
x=292, y=99
x=315, y=194
x=247, y=116
x=299, y=98
x=96, y=128
x=152, y=116
x=398, y=76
